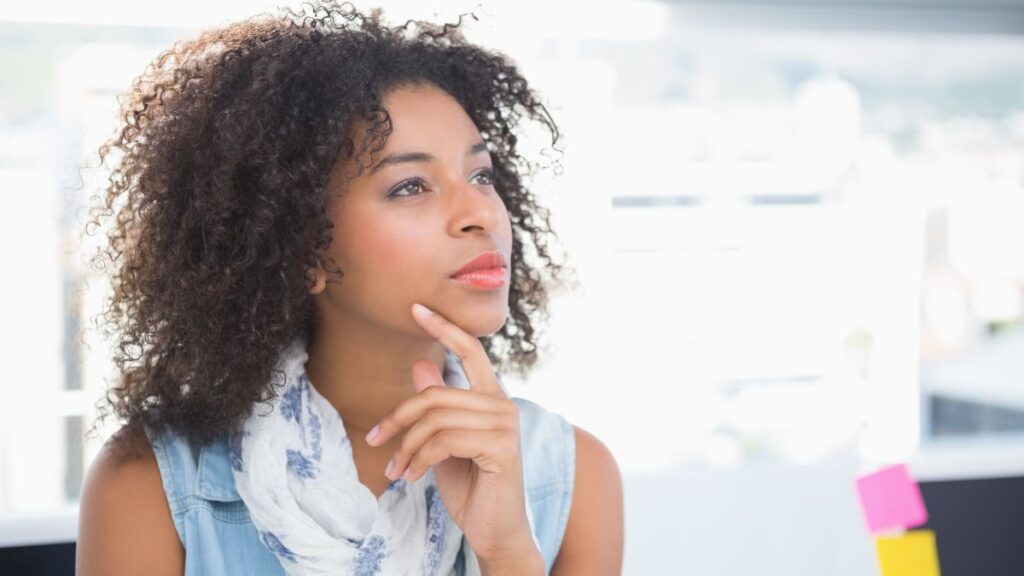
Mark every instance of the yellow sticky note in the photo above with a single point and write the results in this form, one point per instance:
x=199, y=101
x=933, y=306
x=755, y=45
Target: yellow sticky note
x=912, y=553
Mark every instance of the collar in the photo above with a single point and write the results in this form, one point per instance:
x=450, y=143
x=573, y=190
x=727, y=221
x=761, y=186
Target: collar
x=214, y=479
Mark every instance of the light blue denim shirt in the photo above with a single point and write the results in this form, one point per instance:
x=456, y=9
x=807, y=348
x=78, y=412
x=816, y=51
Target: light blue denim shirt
x=219, y=537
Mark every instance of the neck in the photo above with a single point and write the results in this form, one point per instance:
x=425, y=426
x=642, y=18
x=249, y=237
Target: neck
x=364, y=370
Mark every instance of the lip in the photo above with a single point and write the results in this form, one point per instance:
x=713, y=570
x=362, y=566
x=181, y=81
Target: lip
x=486, y=271
x=489, y=261
x=488, y=278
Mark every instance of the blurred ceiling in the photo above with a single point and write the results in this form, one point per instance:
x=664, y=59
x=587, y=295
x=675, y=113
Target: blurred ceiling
x=924, y=16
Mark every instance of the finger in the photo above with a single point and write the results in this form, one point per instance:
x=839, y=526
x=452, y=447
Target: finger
x=493, y=451
x=438, y=420
x=468, y=348
x=412, y=409
x=424, y=374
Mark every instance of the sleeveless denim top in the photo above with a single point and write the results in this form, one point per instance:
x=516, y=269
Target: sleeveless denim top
x=214, y=526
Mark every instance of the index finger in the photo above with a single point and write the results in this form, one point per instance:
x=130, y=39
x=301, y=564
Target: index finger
x=468, y=348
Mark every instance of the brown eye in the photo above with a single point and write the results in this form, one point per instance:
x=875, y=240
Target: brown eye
x=489, y=174
x=403, y=186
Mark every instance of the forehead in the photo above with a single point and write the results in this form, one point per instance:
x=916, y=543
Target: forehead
x=424, y=118
x=425, y=104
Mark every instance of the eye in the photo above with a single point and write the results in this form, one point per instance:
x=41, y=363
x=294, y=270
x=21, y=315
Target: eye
x=418, y=182
x=489, y=174
x=405, y=185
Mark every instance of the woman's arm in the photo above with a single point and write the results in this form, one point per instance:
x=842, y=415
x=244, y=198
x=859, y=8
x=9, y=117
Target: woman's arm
x=124, y=522
x=593, y=539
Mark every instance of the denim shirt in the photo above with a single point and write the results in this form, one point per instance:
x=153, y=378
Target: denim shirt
x=219, y=537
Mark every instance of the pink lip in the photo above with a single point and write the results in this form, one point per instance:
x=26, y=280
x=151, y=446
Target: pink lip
x=484, y=261
x=487, y=278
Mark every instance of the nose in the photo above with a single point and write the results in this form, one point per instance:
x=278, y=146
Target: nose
x=473, y=206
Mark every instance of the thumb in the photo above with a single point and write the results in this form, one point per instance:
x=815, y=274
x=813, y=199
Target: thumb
x=425, y=374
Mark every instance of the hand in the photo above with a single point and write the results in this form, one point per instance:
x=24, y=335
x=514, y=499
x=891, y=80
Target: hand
x=472, y=440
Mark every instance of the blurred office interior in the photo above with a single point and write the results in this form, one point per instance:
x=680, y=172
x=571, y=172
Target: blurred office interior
x=796, y=231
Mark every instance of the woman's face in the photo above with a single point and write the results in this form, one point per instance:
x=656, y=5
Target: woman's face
x=405, y=225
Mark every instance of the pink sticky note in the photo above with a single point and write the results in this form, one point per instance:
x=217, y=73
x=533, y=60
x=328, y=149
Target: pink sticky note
x=891, y=500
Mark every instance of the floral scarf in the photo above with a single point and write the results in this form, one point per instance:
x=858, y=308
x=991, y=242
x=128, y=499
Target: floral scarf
x=294, y=469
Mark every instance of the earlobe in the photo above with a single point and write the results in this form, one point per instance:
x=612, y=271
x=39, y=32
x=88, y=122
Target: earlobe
x=317, y=280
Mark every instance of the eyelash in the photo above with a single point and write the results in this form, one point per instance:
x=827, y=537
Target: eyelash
x=407, y=183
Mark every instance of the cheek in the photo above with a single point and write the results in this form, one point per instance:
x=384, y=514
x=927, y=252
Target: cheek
x=507, y=228
x=389, y=253
x=504, y=229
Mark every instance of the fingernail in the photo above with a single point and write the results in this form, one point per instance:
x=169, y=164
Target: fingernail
x=372, y=434
x=422, y=310
x=387, y=471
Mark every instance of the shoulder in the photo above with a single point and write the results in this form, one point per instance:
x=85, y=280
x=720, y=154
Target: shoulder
x=125, y=524
x=593, y=540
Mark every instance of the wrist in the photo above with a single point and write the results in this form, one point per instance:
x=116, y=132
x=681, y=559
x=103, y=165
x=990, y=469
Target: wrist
x=526, y=559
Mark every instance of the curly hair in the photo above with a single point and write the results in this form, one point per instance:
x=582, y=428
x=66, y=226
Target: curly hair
x=220, y=196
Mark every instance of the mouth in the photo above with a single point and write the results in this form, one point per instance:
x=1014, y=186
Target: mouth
x=487, y=270
x=486, y=278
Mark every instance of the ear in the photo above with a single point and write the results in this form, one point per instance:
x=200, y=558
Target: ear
x=317, y=280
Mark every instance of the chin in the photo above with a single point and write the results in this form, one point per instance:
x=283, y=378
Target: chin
x=479, y=320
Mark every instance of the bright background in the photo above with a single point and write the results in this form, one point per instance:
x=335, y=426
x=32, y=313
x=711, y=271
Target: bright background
x=796, y=226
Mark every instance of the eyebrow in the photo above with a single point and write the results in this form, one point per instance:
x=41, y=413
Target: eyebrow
x=422, y=156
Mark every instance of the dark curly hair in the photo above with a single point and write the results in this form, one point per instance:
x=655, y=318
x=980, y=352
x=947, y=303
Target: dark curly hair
x=220, y=199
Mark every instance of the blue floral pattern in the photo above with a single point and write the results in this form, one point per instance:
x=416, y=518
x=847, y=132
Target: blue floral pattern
x=297, y=407
x=313, y=421
x=301, y=465
x=291, y=404
x=371, y=554
x=277, y=547
x=437, y=518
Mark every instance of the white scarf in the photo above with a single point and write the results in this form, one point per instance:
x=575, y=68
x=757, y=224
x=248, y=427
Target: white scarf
x=294, y=469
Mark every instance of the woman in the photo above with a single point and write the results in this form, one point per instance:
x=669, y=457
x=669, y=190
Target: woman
x=322, y=222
